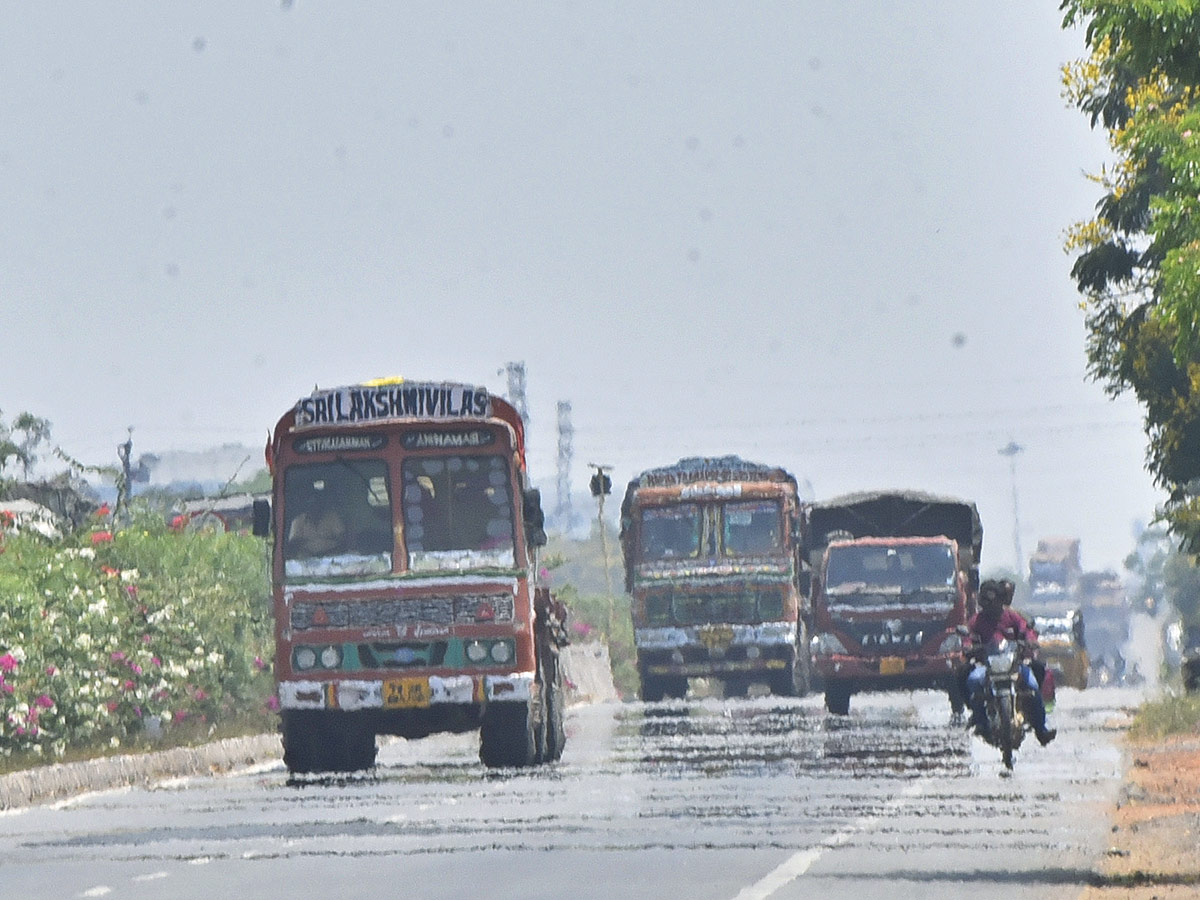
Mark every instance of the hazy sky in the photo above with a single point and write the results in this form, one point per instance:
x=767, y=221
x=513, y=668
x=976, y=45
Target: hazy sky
x=823, y=235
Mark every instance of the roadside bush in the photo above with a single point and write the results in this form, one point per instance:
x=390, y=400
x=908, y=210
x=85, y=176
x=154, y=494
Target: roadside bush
x=112, y=635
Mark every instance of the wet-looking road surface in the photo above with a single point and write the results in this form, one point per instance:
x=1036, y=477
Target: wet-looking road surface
x=749, y=798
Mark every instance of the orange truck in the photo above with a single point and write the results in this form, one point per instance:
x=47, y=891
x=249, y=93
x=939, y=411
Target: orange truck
x=895, y=573
x=405, y=536
x=713, y=569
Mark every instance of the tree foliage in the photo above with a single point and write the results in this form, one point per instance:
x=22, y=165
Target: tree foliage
x=1137, y=260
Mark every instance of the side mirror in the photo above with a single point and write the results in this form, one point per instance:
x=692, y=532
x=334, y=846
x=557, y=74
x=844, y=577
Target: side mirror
x=963, y=630
x=262, y=518
x=535, y=519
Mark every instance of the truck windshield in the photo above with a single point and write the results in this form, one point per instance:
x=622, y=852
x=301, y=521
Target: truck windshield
x=906, y=569
x=751, y=528
x=458, y=512
x=337, y=518
x=671, y=532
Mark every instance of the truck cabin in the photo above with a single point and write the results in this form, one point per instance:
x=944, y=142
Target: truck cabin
x=887, y=568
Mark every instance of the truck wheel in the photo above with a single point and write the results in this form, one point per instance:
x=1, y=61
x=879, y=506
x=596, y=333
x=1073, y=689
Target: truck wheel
x=837, y=699
x=316, y=741
x=793, y=681
x=676, y=687
x=508, y=735
x=653, y=689
x=302, y=734
x=555, y=709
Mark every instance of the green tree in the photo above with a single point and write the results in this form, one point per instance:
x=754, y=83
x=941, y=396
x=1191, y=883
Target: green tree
x=1138, y=259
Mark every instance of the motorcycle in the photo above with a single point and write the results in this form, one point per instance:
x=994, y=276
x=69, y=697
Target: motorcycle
x=1006, y=695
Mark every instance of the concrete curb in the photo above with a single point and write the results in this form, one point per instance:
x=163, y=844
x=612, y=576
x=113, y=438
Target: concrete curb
x=66, y=779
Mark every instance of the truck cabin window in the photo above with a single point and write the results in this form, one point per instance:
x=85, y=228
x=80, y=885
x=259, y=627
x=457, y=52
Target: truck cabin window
x=458, y=511
x=751, y=528
x=926, y=567
x=670, y=532
x=337, y=518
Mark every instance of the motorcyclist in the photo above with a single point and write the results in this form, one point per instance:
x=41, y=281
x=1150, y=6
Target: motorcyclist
x=993, y=622
x=1037, y=666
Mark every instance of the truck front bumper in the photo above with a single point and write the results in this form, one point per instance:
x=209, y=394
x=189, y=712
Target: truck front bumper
x=888, y=673
x=406, y=692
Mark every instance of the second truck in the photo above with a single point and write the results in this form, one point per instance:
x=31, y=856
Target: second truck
x=712, y=565
x=895, y=573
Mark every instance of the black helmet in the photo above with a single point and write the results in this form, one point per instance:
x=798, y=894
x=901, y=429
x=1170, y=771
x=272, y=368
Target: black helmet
x=991, y=591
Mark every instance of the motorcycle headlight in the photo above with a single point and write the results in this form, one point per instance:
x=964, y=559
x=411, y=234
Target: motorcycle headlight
x=1001, y=663
x=826, y=644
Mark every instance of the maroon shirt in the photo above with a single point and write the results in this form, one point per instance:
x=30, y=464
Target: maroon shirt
x=1010, y=624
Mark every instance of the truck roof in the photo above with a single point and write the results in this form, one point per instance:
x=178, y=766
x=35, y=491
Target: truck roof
x=894, y=514
x=694, y=469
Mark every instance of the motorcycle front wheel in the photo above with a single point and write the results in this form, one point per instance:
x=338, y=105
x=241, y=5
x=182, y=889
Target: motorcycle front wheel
x=1004, y=709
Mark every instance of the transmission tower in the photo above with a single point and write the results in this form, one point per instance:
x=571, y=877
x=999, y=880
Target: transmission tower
x=516, y=389
x=566, y=431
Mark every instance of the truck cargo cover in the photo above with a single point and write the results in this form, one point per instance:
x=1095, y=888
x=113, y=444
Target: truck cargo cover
x=894, y=514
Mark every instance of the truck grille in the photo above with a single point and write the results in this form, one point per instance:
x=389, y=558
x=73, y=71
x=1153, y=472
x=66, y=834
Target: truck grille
x=467, y=609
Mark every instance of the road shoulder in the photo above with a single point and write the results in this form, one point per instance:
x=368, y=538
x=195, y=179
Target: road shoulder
x=1154, y=851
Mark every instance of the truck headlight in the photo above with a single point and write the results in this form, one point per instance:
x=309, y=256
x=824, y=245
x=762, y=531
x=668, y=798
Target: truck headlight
x=501, y=652
x=331, y=657
x=306, y=657
x=826, y=644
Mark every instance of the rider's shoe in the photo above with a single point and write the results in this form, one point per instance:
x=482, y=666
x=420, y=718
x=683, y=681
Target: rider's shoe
x=1046, y=735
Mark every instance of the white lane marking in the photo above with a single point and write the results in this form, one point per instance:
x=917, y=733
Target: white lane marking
x=801, y=861
x=152, y=876
x=98, y=891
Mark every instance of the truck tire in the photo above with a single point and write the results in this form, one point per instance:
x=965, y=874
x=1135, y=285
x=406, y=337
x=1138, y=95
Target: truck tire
x=796, y=679
x=508, y=736
x=555, y=710
x=837, y=698
x=318, y=741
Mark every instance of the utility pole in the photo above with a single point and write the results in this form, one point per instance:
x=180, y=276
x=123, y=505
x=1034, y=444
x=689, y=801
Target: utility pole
x=566, y=432
x=601, y=486
x=1012, y=449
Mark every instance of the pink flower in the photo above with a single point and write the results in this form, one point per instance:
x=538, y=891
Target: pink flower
x=45, y=701
x=7, y=688
x=273, y=703
x=101, y=537
x=200, y=694
x=103, y=510
x=129, y=685
x=112, y=705
x=180, y=715
x=51, y=671
x=259, y=664
x=146, y=639
x=8, y=662
x=117, y=656
x=107, y=570
x=131, y=590
x=135, y=668
x=156, y=661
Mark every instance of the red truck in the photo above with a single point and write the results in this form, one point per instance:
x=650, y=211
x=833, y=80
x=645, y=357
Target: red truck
x=894, y=575
x=712, y=565
x=405, y=536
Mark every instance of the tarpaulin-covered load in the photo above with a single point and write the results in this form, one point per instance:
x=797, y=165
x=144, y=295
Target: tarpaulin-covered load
x=894, y=514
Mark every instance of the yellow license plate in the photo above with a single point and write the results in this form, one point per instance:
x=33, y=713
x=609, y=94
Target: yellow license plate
x=891, y=665
x=406, y=693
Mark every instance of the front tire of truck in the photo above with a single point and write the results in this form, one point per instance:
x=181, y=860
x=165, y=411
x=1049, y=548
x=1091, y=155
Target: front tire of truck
x=509, y=735
x=837, y=698
x=555, y=707
x=796, y=679
x=318, y=741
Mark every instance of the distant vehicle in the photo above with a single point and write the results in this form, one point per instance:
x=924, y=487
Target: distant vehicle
x=1106, y=611
x=1054, y=573
x=711, y=563
x=406, y=602
x=895, y=575
x=1190, y=659
x=1061, y=647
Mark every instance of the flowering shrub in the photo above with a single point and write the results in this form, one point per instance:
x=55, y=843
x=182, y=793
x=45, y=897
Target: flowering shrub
x=113, y=633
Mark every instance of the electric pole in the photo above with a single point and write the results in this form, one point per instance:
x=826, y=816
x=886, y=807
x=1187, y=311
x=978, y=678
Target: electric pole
x=1012, y=449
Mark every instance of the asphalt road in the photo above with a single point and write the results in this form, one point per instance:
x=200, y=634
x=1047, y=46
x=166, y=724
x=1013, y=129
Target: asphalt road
x=702, y=799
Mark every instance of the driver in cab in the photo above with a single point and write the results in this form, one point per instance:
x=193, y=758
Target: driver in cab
x=993, y=622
